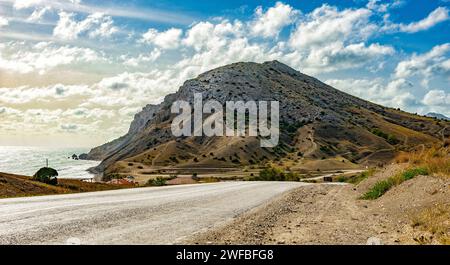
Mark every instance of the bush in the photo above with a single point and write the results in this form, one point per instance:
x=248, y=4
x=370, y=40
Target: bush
x=46, y=175
x=158, y=181
x=388, y=137
x=195, y=177
x=378, y=189
x=276, y=174
x=381, y=187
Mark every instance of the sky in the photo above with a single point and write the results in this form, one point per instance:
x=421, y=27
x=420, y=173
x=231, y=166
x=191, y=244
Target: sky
x=74, y=72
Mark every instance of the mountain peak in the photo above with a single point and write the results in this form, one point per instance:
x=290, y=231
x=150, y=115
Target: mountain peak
x=316, y=122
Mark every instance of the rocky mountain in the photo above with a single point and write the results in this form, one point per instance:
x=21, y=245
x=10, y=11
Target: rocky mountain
x=317, y=122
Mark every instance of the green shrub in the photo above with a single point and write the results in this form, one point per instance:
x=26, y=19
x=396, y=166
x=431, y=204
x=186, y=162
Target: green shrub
x=276, y=174
x=341, y=179
x=158, y=181
x=195, y=177
x=381, y=187
x=46, y=175
x=388, y=137
x=411, y=173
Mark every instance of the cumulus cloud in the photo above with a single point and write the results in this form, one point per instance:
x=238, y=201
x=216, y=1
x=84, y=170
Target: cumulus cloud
x=430, y=64
x=142, y=58
x=269, y=23
x=208, y=36
x=3, y=22
x=437, y=98
x=327, y=24
x=328, y=39
x=439, y=15
x=337, y=56
x=44, y=56
x=95, y=25
x=395, y=93
x=169, y=39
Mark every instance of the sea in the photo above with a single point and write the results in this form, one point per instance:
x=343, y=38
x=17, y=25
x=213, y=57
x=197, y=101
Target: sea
x=23, y=160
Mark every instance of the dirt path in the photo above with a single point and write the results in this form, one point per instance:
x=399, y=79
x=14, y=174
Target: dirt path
x=313, y=147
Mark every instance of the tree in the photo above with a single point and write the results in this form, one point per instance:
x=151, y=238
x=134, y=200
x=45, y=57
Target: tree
x=46, y=175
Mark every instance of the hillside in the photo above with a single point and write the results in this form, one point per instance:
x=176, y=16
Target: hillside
x=317, y=123
x=12, y=185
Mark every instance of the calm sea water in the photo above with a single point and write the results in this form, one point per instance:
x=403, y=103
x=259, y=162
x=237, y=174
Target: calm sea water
x=27, y=160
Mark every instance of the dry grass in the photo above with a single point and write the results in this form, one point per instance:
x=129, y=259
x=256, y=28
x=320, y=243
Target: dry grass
x=435, y=159
x=434, y=220
x=209, y=179
x=20, y=186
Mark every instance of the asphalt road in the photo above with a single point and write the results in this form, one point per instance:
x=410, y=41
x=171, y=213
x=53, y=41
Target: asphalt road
x=157, y=215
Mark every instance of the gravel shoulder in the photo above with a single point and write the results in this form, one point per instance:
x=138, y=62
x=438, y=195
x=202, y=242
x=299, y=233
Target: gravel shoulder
x=334, y=214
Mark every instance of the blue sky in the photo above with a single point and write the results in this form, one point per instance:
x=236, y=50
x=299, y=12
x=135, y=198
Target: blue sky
x=83, y=68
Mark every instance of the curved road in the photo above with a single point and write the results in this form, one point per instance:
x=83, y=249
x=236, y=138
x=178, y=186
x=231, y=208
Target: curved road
x=156, y=215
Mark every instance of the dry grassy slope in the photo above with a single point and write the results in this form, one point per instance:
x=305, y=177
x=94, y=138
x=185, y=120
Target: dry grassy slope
x=17, y=186
x=339, y=124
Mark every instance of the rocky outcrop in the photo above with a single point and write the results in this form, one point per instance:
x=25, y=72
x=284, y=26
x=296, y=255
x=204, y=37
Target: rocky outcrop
x=83, y=156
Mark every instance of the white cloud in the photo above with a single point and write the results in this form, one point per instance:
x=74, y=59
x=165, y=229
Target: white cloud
x=437, y=98
x=378, y=7
x=393, y=94
x=327, y=24
x=439, y=15
x=142, y=58
x=208, y=36
x=428, y=65
x=53, y=93
x=95, y=25
x=45, y=56
x=169, y=39
x=270, y=23
x=329, y=39
x=336, y=56
x=367, y=88
x=3, y=22
x=38, y=14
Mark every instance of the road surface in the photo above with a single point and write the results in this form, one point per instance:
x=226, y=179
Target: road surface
x=156, y=215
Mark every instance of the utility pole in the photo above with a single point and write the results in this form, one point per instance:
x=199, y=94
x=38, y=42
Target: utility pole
x=46, y=162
